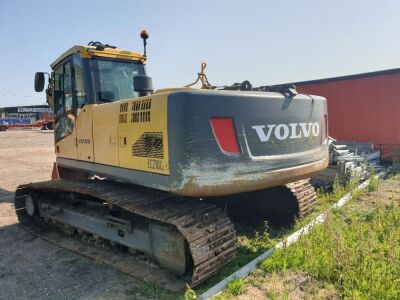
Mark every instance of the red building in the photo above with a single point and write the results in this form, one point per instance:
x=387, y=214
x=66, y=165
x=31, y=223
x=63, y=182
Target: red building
x=362, y=107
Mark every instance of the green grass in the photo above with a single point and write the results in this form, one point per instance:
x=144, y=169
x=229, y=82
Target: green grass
x=396, y=163
x=326, y=199
x=373, y=183
x=152, y=291
x=253, y=242
x=235, y=287
x=190, y=294
x=359, y=253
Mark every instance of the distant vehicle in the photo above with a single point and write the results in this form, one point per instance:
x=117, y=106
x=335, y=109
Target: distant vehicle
x=6, y=123
x=3, y=127
x=46, y=124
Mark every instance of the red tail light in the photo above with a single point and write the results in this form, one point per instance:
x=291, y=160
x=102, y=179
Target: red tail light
x=224, y=132
x=325, y=129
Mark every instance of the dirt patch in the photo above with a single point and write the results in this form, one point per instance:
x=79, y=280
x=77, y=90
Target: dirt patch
x=25, y=156
x=388, y=191
x=31, y=268
x=290, y=285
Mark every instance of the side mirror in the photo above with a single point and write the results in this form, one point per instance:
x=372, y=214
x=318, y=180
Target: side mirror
x=143, y=84
x=39, y=81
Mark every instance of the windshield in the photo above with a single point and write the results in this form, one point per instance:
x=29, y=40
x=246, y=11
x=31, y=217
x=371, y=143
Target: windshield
x=114, y=79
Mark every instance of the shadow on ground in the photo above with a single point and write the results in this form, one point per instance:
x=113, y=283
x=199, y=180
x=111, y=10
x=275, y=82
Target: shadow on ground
x=6, y=196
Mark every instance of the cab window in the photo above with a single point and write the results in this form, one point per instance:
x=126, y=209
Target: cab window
x=64, y=107
x=63, y=101
x=79, y=93
x=59, y=91
x=114, y=79
x=69, y=103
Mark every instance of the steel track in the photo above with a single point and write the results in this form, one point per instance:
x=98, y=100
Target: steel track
x=306, y=196
x=209, y=233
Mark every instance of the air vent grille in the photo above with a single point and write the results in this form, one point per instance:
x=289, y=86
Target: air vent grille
x=141, y=111
x=150, y=144
x=123, y=112
x=123, y=108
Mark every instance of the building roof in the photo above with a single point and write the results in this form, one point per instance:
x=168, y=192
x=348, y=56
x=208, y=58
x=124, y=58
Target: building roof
x=15, y=108
x=349, y=77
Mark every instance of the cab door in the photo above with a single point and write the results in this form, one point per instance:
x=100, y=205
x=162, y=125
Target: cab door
x=64, y=112
x=84, y=120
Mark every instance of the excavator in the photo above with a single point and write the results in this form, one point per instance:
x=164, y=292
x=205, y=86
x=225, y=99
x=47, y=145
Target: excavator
x=134, y=167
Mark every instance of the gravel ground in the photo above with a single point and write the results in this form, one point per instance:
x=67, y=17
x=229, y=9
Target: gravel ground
x=31, y=268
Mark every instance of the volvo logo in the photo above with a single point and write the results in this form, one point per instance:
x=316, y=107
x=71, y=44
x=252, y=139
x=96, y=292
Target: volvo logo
x=286, y=131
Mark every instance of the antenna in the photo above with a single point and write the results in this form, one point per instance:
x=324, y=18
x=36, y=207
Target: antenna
x=144, y=35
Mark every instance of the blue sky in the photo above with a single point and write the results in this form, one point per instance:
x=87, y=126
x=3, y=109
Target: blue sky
x=266, y=42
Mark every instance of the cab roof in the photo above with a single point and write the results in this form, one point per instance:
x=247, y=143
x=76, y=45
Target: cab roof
x=92, y=51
